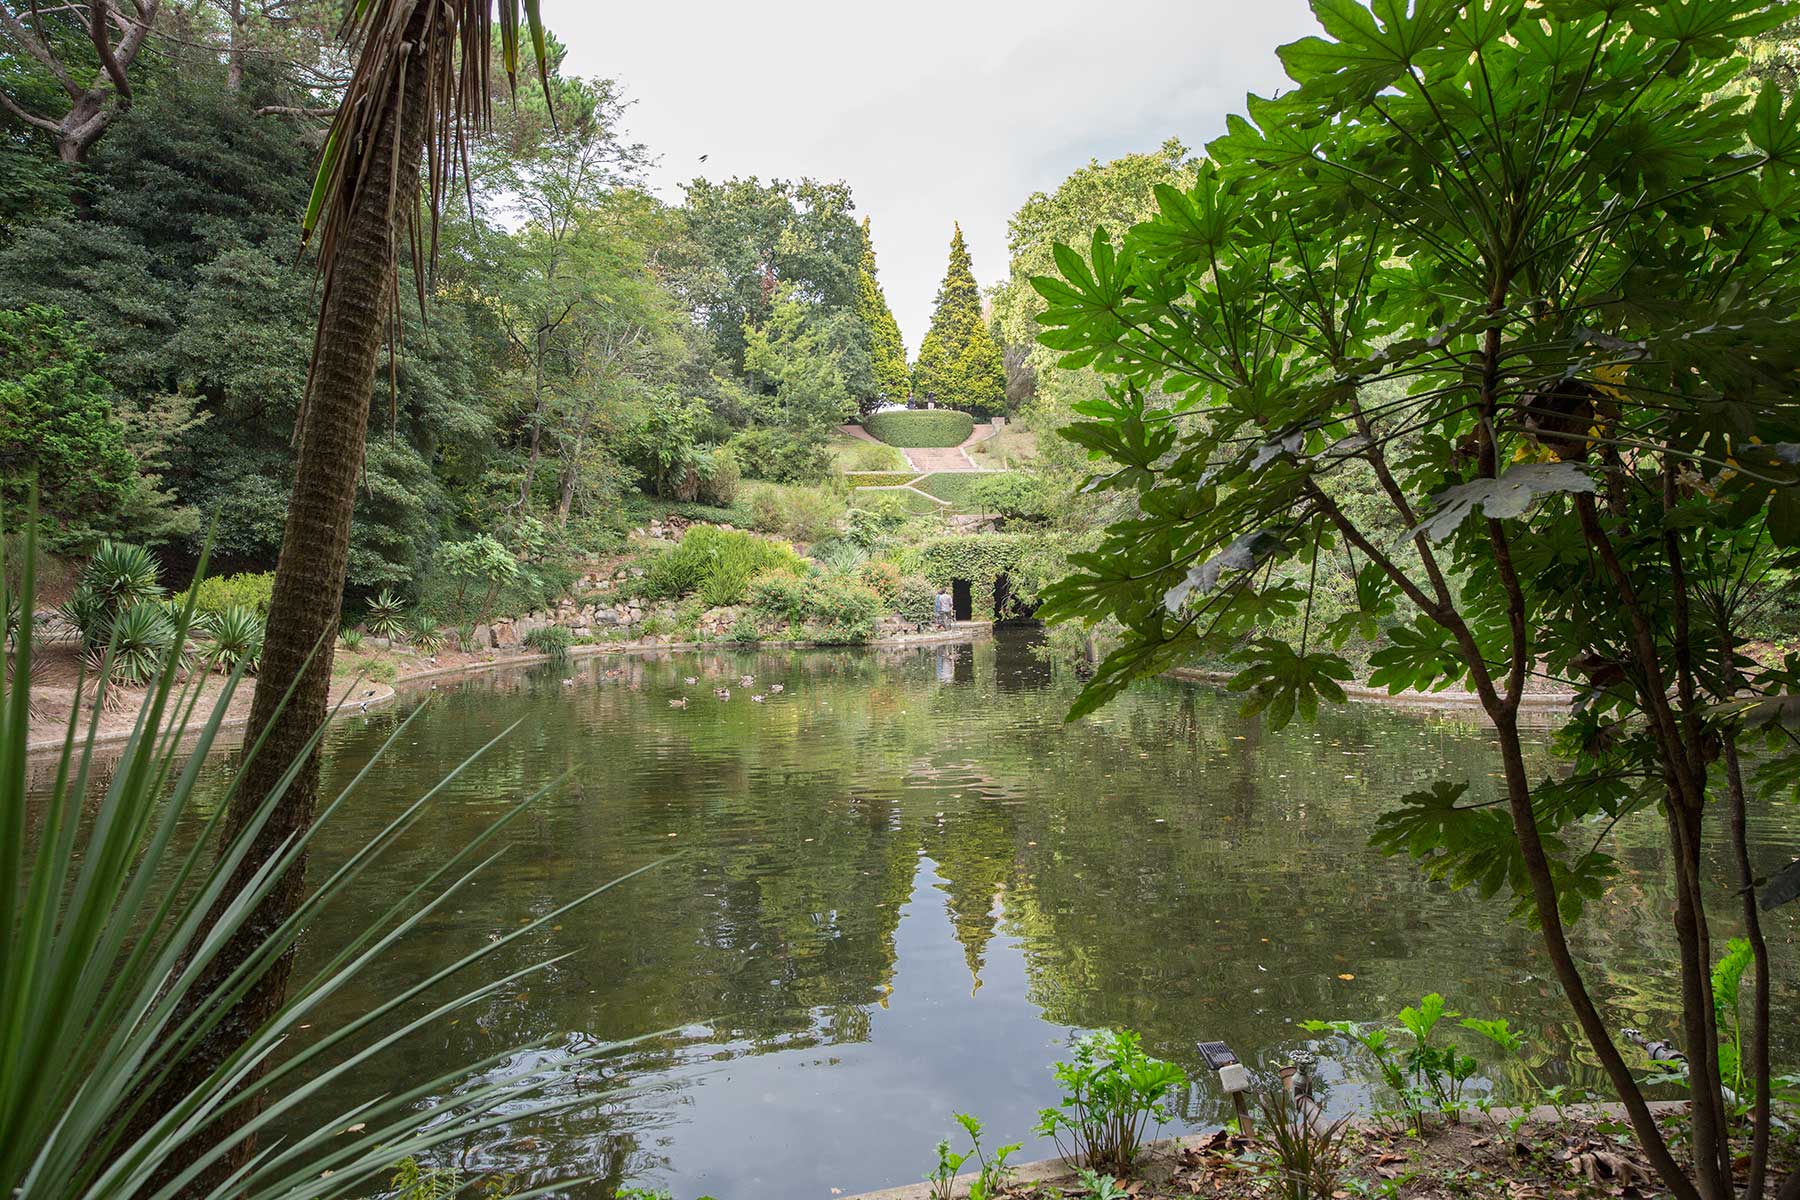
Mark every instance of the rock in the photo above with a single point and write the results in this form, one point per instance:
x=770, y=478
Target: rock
x=505, y=635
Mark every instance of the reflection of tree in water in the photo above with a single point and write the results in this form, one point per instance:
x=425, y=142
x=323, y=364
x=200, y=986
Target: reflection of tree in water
x=1164, y=865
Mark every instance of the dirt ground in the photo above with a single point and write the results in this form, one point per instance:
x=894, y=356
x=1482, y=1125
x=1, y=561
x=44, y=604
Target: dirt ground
x=1570, y=1159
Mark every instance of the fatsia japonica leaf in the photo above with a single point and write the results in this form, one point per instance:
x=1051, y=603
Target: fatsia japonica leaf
x=1420, y=657
x=1774, y=126
x=1247, y=553
x=1783, y=887
x=1503, y=498
x=1282, y=682
x=1369, y=50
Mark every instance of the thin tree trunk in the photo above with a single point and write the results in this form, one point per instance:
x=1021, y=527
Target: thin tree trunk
x=234, y=70
x=309, y=580
x=1756, y=1054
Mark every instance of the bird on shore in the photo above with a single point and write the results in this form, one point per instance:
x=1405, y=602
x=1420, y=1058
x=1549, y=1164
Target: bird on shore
x=568, y=683
x=681, y=703
x=722, y=693
x=775, y=689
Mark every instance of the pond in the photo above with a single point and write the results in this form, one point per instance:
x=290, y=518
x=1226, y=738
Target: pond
x=905, y=882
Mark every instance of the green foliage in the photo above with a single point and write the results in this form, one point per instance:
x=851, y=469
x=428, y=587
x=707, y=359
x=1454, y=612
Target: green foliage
x=801, y=514
x=716, y=565
x=992, y=1176
x=248, y=590
x=905, y=499
x=827, y=608
x=867, y=525
x=801, y=359
x=889, y=379
x=782, y=455
x=423, y=631
x=1098, y=1186
x=122, y=902
x=387, y=615
x=140, y=637
x=981, y=559
x=236, y=634
x=920, y=428
x=351, y=638
x=744, y=630
x=867, y=457
x=1306, y=1154
x=959, y=364
x=551, y=640
x=57, y=428
x=1111, y=1092
x=1430, y=1076
x=914, y=599
x=482, y=560
x=117, y=576
x=1014, y=495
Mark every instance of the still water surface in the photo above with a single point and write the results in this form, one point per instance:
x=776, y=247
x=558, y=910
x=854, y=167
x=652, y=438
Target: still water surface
x=905, y=883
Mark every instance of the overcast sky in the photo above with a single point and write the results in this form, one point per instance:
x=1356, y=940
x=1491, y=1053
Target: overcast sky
x=933, y=111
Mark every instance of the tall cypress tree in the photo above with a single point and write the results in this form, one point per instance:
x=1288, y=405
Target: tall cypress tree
x=887, y=353
x=959, y=364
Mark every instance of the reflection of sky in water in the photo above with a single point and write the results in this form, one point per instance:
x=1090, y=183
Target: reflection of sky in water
x=905, y=883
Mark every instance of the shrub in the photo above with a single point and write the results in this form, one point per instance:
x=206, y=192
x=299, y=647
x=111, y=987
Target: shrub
x=919, y=428
x=719, y=479
x=480, y=559
x=352, y=639
x=250, y=590
x=840, y=610
x=552, y=640
x=140, y=637
x=1111, y=1091
x=780, y=455
x=715, y=564
x=915, y=503
x=422, y=631
x=915, y=599
x=1014, y=495
x=868, y=524
x=869, y=457
x=802, y=514
x=236, y=635
x=781, y=596
x=745, y=630
x=882, y=578
x=118, y=576
x=387, y=614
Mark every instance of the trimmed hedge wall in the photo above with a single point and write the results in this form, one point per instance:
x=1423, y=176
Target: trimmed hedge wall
x=920, y=428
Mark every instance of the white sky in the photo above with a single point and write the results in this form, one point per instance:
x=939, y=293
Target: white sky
x=932, y=111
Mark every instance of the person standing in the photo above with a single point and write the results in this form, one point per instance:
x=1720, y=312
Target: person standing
x=944, y=607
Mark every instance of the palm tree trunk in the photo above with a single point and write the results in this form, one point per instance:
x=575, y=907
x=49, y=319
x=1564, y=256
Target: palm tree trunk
x=309, y=580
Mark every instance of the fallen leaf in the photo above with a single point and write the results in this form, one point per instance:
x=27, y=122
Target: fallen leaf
x=1346, y=977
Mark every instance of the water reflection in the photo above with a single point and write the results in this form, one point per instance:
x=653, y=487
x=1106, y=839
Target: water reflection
x=905, y=882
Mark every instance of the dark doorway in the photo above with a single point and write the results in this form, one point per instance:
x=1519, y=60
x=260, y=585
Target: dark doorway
x=961, y=599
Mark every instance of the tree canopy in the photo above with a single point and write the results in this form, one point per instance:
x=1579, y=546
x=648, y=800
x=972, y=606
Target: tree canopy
x=958, y=363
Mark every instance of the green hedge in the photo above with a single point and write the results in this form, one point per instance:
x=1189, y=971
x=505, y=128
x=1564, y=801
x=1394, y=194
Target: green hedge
x=920, y=428
x=858, y=479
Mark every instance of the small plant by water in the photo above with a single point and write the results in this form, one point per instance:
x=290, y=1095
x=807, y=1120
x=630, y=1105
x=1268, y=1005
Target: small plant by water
x=1112, y=1090
x=1306, y=1154
x=552, y=640
x=992, y=1174
x=1100, y=1187
x=1429, y=1076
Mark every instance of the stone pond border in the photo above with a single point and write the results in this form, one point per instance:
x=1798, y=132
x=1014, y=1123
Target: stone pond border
x=381, y=694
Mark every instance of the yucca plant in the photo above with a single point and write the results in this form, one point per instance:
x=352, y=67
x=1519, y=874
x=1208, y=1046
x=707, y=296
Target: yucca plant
x=387, y=615
x=86, y=613
x=422, y=631
x=236, y=637
x=351, y=637
x=121, y=574
x=140, y=638
x=111, y=915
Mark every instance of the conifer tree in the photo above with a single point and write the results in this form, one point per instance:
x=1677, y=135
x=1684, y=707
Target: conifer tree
x=959, y=363
x=887, y=353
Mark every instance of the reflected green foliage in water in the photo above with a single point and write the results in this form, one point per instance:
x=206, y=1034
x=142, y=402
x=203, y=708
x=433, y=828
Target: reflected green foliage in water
x=907, y=883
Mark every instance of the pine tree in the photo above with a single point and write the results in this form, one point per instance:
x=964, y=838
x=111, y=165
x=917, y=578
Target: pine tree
x=959, y=363
x=887, y=353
